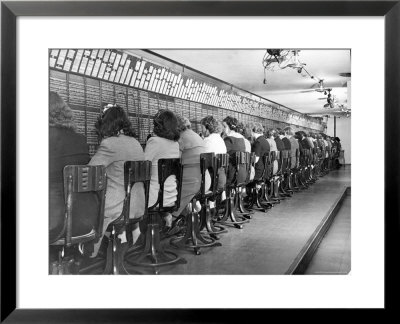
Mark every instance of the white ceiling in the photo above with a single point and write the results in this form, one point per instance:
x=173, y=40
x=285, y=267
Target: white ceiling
x=244, y=69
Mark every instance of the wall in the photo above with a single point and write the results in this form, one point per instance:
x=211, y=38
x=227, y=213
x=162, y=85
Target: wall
x=343, y=131
x=88, y=79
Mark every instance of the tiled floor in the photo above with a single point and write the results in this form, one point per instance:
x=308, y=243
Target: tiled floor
x=272, y=240
x=333, y=253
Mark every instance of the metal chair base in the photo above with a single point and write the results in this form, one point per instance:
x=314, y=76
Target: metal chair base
x=193, y=239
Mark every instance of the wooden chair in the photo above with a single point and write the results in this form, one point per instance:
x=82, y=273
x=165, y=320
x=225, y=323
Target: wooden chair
x=258, y=189
x=151, y=254
x=284, y=189
x=321, y=159
x=295, y=171
x=208, y=215
x=268, y=189
x=78, y=180
x=134, y=172
x=312, y=176
x=222, y=161
x=245, y=160
x=230, y=216
x=193, y=238
x=288, y=174
x=303, y=168
x=277, y=178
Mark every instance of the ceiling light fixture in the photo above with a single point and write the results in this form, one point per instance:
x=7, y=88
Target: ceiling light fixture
x=294, y=61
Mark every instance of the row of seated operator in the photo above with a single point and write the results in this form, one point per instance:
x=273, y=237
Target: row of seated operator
x=172, y=138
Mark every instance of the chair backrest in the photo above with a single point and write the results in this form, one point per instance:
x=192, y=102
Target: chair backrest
x=279, y=158
x=234, y=160
x=251, y=160
x=297, y=157
x=285, y=160
x=243, y=161
x=222, y=161
x=135, y=172
x=267, y=162
x=83, y=179
x=303, y=157
x=167, y=168
x=208, y=163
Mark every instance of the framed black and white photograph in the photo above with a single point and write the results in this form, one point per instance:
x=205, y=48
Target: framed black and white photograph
x=147, y=152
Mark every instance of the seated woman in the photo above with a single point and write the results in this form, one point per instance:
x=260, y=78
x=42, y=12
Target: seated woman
x=273, y=148
x=294, y=145
x=117, y=146
x=214, y=143
x=234, y=143
x=163, y=144
x=260, y=148
x=191, y=145
x=246, y=133
x=66, y=147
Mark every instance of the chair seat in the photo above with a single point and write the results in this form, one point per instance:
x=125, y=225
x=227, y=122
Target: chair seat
x=78, y=239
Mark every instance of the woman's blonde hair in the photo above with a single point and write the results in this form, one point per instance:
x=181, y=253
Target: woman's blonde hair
x=183, y=123
x=60, y=114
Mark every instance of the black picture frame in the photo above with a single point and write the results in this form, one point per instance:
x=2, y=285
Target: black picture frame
x=11, y=10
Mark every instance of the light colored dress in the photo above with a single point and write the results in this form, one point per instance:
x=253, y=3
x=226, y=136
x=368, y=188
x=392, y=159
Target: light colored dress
x=273, y=147
x=161, y=148
x=294, y=145
x=191, y=146
x=214, y=143
x=112, y=153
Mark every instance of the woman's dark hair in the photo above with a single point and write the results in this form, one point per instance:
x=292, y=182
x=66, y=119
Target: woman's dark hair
x=232, y=122
x=299, y=135
x=113, y=121
x=240, y=128
x=166, y=125
x=280, y=131
x=211, y=124
x=271, y=132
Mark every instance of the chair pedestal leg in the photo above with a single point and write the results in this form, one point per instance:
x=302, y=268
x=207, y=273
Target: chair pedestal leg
x=118, y=256
x=230, y=212
x=239, y=203
x=255, y=203
x=298, y=176
x=266, y=193
x=207, y=216
x=283, y=185
x=301, y=179
x=193, y=238
x=290, y=182
x=153, y=255
x=276, y=196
